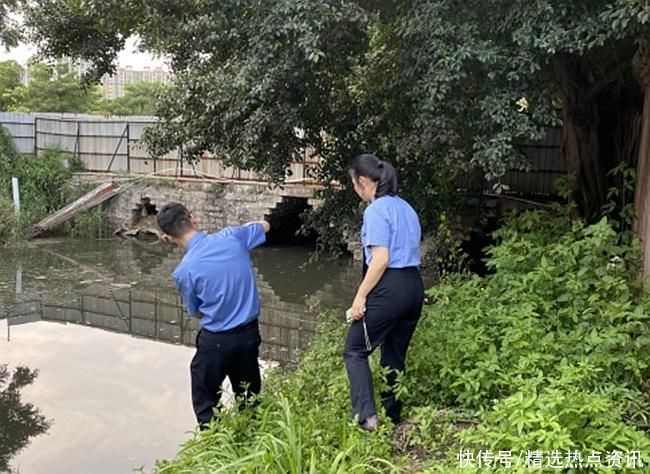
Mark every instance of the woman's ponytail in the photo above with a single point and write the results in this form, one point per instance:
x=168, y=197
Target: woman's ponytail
x=387, y=184
x=381, y=172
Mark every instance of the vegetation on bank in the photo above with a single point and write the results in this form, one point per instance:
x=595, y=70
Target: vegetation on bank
x=46, y=185
x=548, y=352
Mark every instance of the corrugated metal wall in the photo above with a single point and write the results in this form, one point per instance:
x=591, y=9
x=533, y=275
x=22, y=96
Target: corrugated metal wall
x=114, y=144
x=21, y=127
x=546, y=166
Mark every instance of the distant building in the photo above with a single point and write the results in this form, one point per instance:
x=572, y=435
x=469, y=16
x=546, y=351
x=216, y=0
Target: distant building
x=114, y=85
x=77, y=66
x=24, y=75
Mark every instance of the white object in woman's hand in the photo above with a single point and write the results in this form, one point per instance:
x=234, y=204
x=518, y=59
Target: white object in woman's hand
x=358, y=308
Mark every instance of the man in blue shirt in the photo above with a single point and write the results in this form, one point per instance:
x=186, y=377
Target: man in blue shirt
x=217, y=283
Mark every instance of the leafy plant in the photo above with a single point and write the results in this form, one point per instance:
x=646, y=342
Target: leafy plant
x=139, y=98
x=55, y=89
x=551, y=351
x=299, y=424
x=42, y=182
x=90, y=224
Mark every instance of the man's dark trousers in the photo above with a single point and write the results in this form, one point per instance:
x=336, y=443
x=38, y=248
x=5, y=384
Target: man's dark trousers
x=231, y=354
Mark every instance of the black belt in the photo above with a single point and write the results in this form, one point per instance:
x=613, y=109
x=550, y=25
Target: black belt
x=243, y=328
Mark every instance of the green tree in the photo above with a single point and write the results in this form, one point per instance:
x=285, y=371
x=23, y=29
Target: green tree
x=10, y=33
x=57, y=89
x=140, y=98
x=10, y=84
x=437, y=86
x=488, y=75
x=20, y=421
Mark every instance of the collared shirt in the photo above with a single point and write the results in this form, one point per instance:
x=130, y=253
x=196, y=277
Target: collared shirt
x=216, y=277
x=390, y=221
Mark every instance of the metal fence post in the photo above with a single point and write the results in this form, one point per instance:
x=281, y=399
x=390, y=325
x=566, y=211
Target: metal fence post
x=180, y=157
x=128, y=147
x=77, y=146
x=117, y=148
x=35, y=136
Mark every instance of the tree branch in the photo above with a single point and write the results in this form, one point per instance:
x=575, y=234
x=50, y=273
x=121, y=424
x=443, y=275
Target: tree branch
x=612, y=76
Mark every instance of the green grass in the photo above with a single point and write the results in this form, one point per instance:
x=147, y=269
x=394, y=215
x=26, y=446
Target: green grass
x=300, y=425
x=551, y=352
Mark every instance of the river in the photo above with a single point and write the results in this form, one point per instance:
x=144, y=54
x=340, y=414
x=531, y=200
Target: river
x=103, y=325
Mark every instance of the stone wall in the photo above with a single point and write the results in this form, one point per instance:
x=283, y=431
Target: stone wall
x=215, y=204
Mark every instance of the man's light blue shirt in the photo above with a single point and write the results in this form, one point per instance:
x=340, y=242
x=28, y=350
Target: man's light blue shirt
x=216, y=277
x=390, y=221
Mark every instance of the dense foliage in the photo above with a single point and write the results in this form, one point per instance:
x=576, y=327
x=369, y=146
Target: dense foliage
x=55, y=88
x=45, y=186
x=42, y=183
x=549, y=352
x=553, y=349
x=437, y=87
x=10, y=31
x=8, y=155
x=10, y=84
x=299, y=426
x=140, y=98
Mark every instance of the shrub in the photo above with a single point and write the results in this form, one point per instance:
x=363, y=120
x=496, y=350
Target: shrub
x=551, y=350
x=41, y=181
x=300, y=425
x=7, y=220
x=43, y=186
x=90, y=224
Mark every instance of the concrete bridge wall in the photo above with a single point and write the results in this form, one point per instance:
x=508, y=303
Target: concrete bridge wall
x=216, y=204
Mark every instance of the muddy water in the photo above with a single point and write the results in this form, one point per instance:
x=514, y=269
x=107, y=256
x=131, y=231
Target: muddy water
x=104, y=327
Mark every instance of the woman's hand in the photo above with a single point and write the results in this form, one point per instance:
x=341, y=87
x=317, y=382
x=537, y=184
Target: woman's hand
x=376, y=269
x=358, y=308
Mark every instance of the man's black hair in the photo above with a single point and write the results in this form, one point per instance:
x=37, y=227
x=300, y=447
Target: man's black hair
x=174, y=219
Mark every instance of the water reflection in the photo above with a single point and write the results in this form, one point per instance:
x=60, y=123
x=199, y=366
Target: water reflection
x=105, y=327
x=126, y=288
x=117, y=402
x=19, y=420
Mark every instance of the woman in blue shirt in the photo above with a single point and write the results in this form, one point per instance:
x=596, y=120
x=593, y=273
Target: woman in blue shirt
x=388, y=303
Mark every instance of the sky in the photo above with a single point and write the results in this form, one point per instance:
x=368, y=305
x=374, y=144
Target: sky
x=128, y=57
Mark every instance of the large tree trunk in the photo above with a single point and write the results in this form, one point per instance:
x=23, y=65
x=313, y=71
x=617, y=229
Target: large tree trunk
x=642, y=191
x=581, y=145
